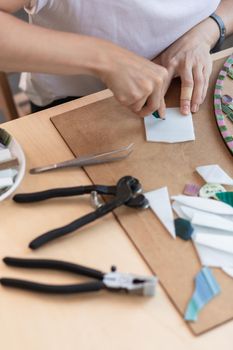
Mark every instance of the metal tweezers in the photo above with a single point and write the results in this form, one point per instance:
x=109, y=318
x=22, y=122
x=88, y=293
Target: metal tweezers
x=113, y=281
x=91, y=159
x=127, y=192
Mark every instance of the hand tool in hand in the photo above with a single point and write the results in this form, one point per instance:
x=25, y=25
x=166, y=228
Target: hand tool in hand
x=91, y=159
x=113, y=281
x=126, y=192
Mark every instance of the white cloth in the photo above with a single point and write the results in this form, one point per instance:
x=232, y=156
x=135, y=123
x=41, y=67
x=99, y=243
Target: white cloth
x=145, y=27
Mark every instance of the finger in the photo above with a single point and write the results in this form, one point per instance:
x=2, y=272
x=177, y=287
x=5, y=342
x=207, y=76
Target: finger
x=206, y=74
x=199, y=81
x=162, y=109
x=136, y=107
x=152, y=104
x=186, y=90
x=155, y=101
x=171, y=75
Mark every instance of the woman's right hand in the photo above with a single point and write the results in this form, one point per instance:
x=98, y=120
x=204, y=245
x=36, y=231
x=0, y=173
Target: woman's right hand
x=136, y=82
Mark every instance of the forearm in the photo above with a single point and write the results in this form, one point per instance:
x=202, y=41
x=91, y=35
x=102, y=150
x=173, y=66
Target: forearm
x=26, y=47
x=208, y=30
x=225, y=11
x=135, y=82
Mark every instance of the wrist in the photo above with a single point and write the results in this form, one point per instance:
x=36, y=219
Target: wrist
x=222, y=31
x=90, y=56
x=208, y=32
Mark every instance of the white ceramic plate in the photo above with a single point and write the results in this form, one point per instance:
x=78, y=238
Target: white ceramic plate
x=17, y=152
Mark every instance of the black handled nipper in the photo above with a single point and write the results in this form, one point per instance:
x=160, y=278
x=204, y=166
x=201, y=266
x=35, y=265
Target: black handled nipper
x=126, y=192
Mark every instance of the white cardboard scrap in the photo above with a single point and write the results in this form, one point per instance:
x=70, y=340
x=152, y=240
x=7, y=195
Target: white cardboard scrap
x=161, y=206
x=175, y=128
x=214, y=174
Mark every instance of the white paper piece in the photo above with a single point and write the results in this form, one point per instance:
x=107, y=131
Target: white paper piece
x=5, y=155
x=206, y=204
x=214, y=174
x=213, y=221
x=220, y=242
x=161, y=206
x=175, y=128
x=213, y=257
x=228, y=271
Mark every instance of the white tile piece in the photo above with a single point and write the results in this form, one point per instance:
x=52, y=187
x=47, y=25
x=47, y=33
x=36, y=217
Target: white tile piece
x=175, y=128
x=5, y=155
x=177, y=209
x=213, y=257
x=6, y=182
x=8, y=173
x=214, y=174
x=161, y=206
x=219, y=242
x=208, y=231
x=190, y=212
x=228, y=271
x=213, y=221
x=205, y=204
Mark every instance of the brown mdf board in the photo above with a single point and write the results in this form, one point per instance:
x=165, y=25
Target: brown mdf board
x=106, y=125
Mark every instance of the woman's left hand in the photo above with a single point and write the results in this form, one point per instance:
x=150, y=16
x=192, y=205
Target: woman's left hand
x=189, y=58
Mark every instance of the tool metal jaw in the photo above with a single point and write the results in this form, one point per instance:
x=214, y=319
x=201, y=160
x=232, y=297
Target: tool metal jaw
x=127, y=191
x=112, y=281
x=133, y=284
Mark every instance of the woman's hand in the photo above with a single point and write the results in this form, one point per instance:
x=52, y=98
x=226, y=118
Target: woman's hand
x=189, y=58
x=136, y=82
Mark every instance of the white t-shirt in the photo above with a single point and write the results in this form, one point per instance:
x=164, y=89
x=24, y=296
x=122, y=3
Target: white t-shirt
x=145, y=27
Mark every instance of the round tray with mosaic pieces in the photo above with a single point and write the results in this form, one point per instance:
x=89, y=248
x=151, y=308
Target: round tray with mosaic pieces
x=223, y=102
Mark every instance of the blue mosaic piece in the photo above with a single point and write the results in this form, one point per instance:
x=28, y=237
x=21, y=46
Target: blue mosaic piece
x=206, y=288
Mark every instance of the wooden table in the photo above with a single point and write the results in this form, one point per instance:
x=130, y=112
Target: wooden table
x=98, y=321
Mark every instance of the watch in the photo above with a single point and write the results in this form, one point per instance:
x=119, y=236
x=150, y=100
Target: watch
x=222, y=30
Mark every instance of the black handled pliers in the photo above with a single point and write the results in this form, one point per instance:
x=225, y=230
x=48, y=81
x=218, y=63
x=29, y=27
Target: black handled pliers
x=113, y=280
x=126, y=192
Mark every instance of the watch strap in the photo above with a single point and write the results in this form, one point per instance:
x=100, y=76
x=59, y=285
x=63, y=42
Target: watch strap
x=222, y=30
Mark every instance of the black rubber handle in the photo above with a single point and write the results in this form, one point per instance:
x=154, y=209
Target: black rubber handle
x=52, y=289
x=74, y=225
x=63, y=192
x=52, y=193
x=54, y=265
